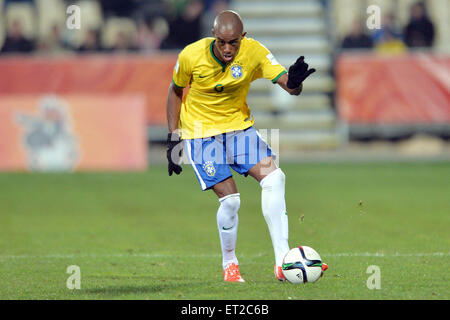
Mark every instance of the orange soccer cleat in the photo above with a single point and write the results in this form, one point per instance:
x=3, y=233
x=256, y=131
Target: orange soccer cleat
x=279, y=273
x=231, y=273
x=324, y=267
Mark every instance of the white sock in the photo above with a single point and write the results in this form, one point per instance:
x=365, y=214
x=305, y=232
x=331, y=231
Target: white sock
x=227, y=223
x=274, y=211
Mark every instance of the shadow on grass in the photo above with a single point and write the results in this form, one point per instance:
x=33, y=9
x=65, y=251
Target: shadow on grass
x=148, y=289
x=124, y=290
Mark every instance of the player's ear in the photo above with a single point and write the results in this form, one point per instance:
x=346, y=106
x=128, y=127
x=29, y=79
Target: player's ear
x=213, y=33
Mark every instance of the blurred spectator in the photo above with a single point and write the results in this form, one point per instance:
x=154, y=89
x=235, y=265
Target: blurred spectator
x=119, y=8
x=212, y=9
x=357, y=38
x=420, y=30
x=388, y=39
x=15, y=40
x=91, y=42
x=7, y=2
x=185, y=26
x=215, y=5
x=122, y=43
x=53, y=43
x=150, y=34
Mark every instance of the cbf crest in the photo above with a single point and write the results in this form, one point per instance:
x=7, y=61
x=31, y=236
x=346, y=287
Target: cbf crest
x=209, y=168
x=236, y=71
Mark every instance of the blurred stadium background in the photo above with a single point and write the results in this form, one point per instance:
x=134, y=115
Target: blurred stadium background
x=93, y=98
x=365, y=149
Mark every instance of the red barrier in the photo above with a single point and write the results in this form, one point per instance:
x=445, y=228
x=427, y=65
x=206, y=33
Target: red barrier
x=413, y=89
x=92, y=74
x=73, y=132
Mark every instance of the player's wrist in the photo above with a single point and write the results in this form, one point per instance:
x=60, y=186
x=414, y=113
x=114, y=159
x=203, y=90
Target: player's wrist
x=173, y=136
x=173, y=153
x=293, y=83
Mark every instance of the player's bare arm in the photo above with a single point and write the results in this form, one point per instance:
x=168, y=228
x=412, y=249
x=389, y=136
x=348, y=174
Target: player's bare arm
x=282, y=82
x=174, y=97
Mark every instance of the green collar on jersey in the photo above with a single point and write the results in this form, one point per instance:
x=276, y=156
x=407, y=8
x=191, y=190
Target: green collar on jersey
x=214, y=56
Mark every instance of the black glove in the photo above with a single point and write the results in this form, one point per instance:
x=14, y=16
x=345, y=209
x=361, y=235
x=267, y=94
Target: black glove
x=173, y=141
x=298, y=72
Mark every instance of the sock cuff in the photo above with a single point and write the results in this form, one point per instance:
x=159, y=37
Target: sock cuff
x=229, y=196
x=267, y=178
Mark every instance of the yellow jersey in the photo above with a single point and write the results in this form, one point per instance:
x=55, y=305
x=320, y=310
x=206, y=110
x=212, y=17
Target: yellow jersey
x=217, y=98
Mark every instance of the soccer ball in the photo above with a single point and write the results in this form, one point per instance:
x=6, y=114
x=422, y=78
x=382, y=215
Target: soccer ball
x=302, y=264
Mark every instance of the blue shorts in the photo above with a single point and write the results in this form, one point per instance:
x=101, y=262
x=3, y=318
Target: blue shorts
x=212, y=157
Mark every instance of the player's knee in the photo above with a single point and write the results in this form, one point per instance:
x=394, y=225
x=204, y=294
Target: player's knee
x=275, y=178
x=231, y=202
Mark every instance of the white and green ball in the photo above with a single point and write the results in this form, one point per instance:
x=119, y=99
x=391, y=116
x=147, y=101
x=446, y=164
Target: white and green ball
x=302, y=264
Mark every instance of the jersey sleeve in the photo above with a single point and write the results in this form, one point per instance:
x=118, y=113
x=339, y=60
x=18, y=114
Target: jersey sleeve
x=269, y=67
x=181, y=76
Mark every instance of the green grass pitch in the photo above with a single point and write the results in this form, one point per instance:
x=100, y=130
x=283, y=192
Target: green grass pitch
x=150, y=236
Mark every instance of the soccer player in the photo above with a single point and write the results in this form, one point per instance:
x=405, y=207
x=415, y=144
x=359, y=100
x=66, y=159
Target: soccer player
x=216, y=126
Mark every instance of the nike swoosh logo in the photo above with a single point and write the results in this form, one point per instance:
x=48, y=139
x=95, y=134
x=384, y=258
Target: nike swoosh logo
x=201, y=77
x=228, y=228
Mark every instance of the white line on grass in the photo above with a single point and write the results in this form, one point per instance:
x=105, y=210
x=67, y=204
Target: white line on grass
x=171, y=255
x=389, y=255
